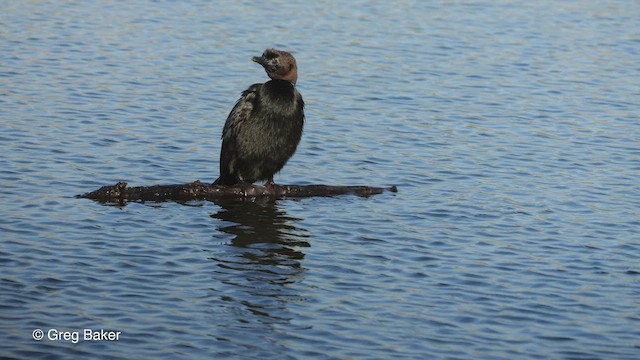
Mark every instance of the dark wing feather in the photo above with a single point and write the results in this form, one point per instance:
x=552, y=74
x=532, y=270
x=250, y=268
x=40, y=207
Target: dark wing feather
x=228, y=153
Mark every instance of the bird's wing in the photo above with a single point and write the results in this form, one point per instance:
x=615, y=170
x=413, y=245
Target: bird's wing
x=240, y=112
x=238, y=115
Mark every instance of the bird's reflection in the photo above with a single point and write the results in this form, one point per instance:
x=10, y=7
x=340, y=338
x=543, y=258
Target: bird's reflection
x=261, y=224
x=261, y=261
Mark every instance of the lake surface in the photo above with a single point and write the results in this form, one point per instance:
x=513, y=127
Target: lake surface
x=512, y=130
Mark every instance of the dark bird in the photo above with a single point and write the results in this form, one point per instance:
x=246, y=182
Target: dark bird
x=265, y=126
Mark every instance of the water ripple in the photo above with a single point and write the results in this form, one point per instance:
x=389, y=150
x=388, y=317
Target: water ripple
x=509, y=129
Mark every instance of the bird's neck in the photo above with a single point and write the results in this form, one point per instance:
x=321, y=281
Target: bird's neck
x=291, y=76
x=278, y=88
x=279, y=94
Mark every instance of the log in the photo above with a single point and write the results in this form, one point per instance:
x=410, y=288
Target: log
x=121, y=193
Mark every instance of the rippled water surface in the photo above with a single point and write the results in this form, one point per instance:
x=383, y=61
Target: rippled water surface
x=511, y=129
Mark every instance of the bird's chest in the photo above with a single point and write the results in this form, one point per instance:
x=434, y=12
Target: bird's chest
x=272, y=132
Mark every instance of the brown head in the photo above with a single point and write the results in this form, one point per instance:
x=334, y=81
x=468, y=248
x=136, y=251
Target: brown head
x=279, y=65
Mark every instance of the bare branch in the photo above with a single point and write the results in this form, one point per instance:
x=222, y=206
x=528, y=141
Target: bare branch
x=120, y=193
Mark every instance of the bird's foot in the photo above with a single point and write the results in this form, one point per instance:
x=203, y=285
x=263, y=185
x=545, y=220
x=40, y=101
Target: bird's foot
x=245, y=188
x=270, y=185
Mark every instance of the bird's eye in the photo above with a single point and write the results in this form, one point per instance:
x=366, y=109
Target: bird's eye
x=274, y=64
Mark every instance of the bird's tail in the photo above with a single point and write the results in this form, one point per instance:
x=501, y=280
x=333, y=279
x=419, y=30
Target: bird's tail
x=225, y=180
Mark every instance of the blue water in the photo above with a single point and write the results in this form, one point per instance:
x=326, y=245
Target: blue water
x=511, y=129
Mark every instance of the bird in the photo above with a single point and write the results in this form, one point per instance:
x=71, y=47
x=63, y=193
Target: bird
x=265, y=126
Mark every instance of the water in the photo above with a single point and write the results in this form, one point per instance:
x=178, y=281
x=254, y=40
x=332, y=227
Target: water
x=510, y=129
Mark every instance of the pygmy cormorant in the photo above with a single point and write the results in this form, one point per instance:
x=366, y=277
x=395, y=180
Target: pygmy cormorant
x=264, y=128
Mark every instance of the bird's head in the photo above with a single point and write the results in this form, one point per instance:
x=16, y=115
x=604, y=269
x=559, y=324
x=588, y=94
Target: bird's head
x=279, y=65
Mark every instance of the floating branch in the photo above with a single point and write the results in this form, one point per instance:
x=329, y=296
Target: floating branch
x=196, y=190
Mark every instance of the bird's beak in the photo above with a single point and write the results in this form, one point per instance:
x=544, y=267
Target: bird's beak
x=260, y=60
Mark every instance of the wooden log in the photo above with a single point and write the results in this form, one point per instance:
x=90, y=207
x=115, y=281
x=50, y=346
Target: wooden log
x=121, y=193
